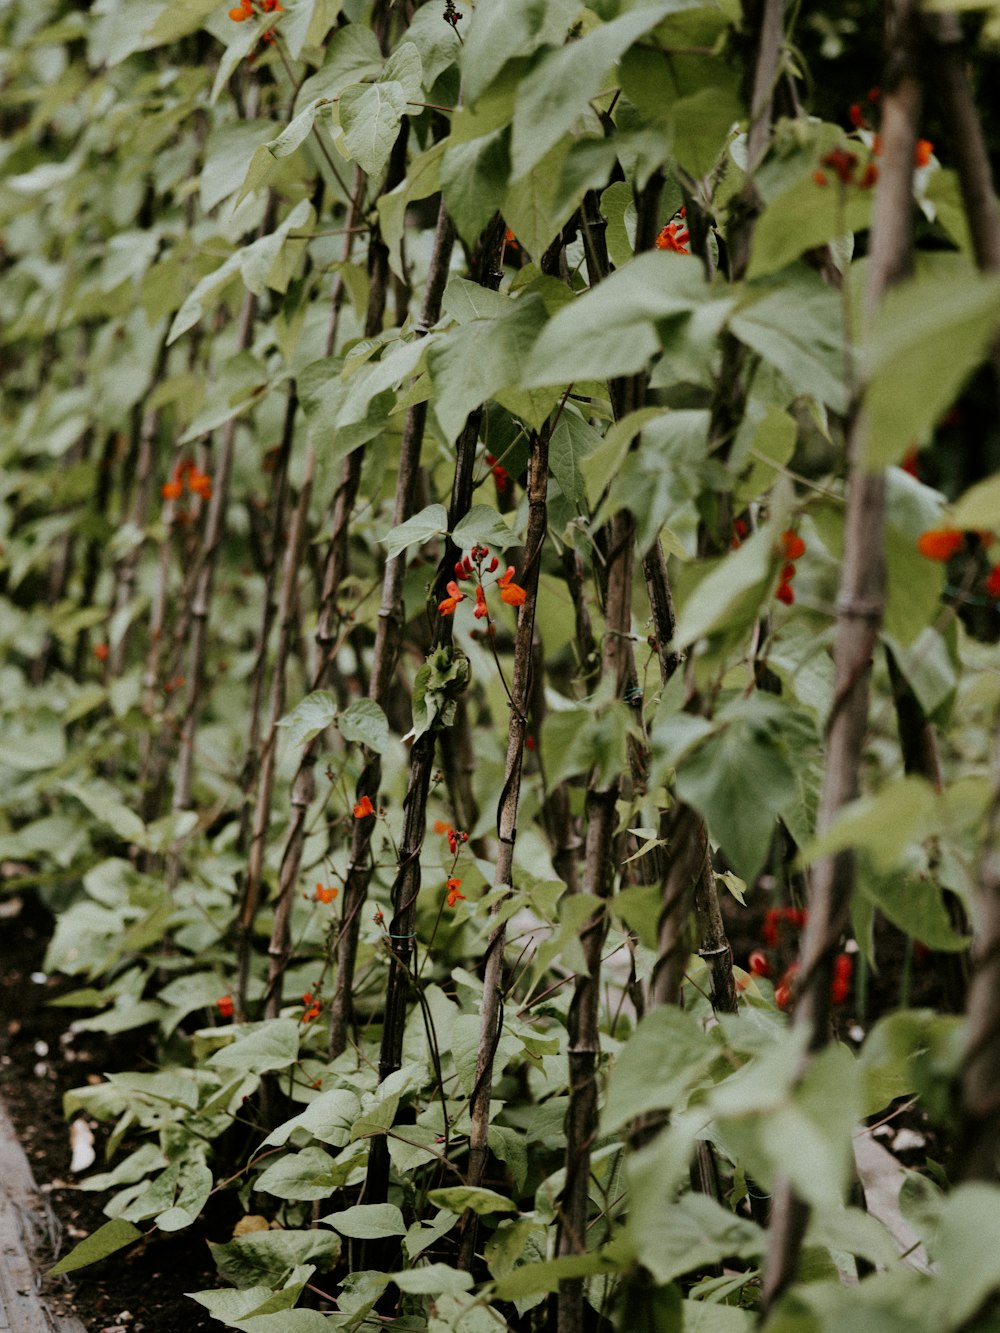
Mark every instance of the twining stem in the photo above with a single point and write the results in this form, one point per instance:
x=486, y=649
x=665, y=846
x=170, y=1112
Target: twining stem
x=860, y=608
x=503, y=876
x=388, y=635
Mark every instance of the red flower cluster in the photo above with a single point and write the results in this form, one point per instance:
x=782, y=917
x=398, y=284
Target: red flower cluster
x=454, y=838
x=312, y=1007
x=673, y=237
x=791, y=547
x=500, y=474
x=842, y=162
x=475, y=565
x=246, y=9
x=198, y=483
x=794, y=917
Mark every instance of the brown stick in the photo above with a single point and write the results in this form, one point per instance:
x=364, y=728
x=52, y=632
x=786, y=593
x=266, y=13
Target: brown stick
x=860, y=608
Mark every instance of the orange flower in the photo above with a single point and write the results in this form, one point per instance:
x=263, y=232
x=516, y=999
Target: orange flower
x=272, y=7
x=791, y=545
x=172, y=490
x=819, y=178
x=455, y=595
x=101, y=651
x=243, y=11
x=441, y=827
x=869, y=176
x=940, y=543
x=993, y=581
x=364, y=808
x=510, y=240
x=453, y=887
x=511, y=593
x=481, y=608
x=672, y=238
x=199, y=483
x=923, y=152
x=225, y=1006
x=324, y=895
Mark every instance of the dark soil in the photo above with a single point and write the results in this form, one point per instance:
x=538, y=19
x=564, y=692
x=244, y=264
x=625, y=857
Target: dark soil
x=139, y=1290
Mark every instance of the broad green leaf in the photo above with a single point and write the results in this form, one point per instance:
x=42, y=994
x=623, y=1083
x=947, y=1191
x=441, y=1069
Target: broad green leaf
x=571, y=441
x=675, y=1045
x=496, y=35
x=741, y=778
x=367, y=1221
x=476, y=360
x=534, y=1278
x=474, y=181
x=272, y=1256
x=430, y=522
x=729, y=597
x=309, y=1174
x=328, y=1117
x=307, y=24
x=178, y=19
x=801, y=218
x=457, y=1198
x=702, y=123
x=484, y=526
x=559, y=88
x=307, y=719
x=107, y=1239
x=285, y=1321
x=270, y=1045
x=798, y=327
x=979, y=506
x=928, y=336
x=537, y=205
x=432, y=1280
x=364, y=722
x=370, y=114
x=227, y=158
x=352, y=55
x=404, y=67
x=98, y=799
x=612, y=329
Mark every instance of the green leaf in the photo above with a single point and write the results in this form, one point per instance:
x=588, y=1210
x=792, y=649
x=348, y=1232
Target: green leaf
x=404, y=67
x=107, y=810
x=535, y=1278
x=702, y=123
x=559, y=88
x=364, y=723
x=572, y=440
x=285, y=1321
x=309, y=1174
x=674, y=1044
x=307, y=719
x=798, y=327
x=729, y=596
x=672, y=1238
x=271, y=1257
x=474, y=180
x=538, y=204
x=112, y=1236
x=367, y=1221
x=802, y=218
x=432, y=1280
x=328, y=1117
x=612, y=329
x=742, y=777
x=430, y=522
x=928, y=336
x=979, y=506
x=473, y=362
x=457, y=1198
x=370, y=114
x=270, y=1045
x=495, y=36
x=483, y=525
x=228, y=152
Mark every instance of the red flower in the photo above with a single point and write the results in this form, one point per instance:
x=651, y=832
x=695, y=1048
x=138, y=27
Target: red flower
x=172, y=490
x=199, y=483
x=511, y=593
x=856, y=115
x=940, y=543
x=455, y=595
x=441, y=827
x=364, y=808
x=481, y=608
x=101, y=651
x=672, y=237
x=843, y=967
x=769, y=932
x=869, y=176
x=923, y=152
x=841, y=163
x=819, y=178
x=993, y=581
x=785, y=593
x=758, y=964
x=225, y=1006
x=791, y=545
x=911, y=462
x=783, y=990
x=453, y=887
x=324, y=895
x=242, y=12
x=510, y=240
